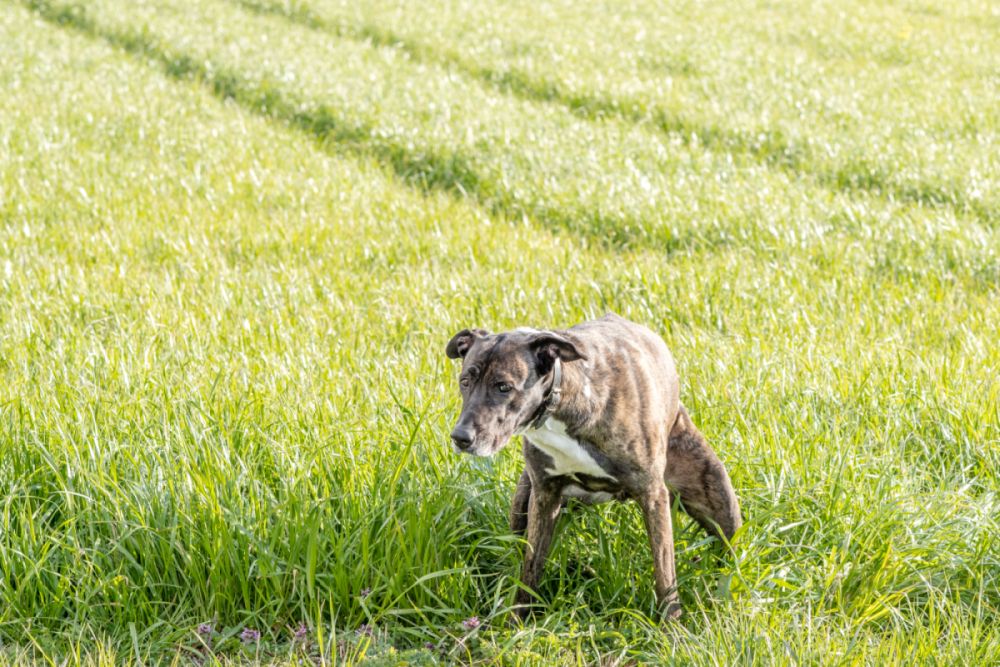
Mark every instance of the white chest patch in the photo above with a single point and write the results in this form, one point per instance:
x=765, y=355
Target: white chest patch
x=568, y=457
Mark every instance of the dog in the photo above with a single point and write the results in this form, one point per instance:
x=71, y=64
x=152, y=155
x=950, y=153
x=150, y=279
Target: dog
x=598, y=408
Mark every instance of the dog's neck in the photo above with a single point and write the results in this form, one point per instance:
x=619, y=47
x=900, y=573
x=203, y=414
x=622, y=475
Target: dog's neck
x=577, y=404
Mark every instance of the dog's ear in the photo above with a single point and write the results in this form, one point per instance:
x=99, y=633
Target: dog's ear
x=548, y=346
x=461, y=342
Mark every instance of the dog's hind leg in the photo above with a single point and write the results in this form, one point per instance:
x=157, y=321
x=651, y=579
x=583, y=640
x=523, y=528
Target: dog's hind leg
x=519, y=506
x=655, y=503
x=697, y=475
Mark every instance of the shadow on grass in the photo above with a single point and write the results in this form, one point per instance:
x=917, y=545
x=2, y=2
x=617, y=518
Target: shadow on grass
x=772, y=149
x=424, y=170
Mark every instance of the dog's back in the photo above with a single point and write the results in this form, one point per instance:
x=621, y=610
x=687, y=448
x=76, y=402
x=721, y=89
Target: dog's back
x=634, y=362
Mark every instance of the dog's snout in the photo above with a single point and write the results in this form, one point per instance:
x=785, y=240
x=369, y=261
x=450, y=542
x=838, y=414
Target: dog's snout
x=462, y=437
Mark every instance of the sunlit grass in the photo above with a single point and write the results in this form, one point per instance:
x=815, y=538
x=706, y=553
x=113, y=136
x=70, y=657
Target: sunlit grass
x=233, y=246
x=879, y=97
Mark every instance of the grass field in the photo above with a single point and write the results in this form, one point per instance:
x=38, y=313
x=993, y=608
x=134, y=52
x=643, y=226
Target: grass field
x=236, y=235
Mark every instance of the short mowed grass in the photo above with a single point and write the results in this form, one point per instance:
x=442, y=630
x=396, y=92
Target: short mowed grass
x=236, y=235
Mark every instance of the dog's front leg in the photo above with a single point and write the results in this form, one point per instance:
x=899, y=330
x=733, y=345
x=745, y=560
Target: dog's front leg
x=656, y=513
x=519, y=504
x=543, y=508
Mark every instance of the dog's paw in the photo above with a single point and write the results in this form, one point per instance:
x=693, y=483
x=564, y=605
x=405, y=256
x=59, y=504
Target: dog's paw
x=672, y=611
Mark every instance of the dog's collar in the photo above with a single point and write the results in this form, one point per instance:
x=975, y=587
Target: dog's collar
x=551, y=401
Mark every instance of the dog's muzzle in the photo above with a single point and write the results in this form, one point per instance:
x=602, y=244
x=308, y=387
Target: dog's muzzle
x=462, y=437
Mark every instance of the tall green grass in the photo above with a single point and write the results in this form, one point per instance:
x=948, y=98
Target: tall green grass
x=234, y=238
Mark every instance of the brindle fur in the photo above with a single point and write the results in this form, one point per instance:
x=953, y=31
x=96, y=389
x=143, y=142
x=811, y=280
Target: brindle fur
x=620, y=402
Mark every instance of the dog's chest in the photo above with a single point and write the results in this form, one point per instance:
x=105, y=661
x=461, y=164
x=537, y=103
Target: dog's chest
x=570, y=459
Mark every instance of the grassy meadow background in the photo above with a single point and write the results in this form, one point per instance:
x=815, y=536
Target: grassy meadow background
x=235, y=236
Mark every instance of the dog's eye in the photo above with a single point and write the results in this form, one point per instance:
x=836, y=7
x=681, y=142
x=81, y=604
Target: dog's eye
x=464, y=382
x=503, y=387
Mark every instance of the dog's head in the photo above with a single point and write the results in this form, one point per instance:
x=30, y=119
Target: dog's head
x=504, y=381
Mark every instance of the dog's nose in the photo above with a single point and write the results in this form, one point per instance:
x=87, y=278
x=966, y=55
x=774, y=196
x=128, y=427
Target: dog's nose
x=462, y=437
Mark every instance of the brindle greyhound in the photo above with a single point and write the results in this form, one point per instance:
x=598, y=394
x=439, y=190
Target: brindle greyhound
x=598, y=406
